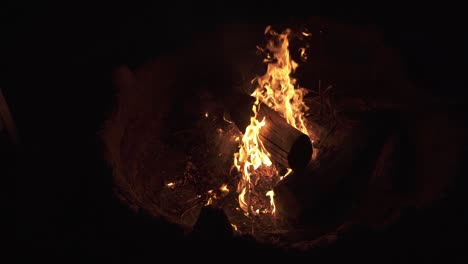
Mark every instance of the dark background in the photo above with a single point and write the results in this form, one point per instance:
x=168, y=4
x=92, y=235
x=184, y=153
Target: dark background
x=57, y=80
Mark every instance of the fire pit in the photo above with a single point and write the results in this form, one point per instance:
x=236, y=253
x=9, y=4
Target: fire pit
x=265, y=151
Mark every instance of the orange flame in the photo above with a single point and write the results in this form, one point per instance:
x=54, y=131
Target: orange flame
x=271, y=194
x=279, y=91
x=277, y=88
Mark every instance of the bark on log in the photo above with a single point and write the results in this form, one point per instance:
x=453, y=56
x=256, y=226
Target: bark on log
x=287, y=145
x=327, y=186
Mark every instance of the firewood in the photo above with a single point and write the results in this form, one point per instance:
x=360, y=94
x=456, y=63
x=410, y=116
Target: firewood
x=287, y=145
x=327, y=185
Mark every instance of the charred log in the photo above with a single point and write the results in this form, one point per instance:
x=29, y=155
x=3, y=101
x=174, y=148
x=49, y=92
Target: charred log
x=327, y=185
x=287, y=145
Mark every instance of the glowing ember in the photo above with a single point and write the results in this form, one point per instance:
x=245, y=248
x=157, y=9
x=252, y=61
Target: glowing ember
x=211, y=196
x=286, y=175
x=279, y=91
x=224, y=188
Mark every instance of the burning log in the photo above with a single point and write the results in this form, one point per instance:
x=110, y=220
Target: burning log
x=327, y=186
x=287, y=145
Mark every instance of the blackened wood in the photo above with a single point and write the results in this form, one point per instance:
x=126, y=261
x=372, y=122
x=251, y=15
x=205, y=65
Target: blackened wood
x=326, y=187
x=287, y=145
